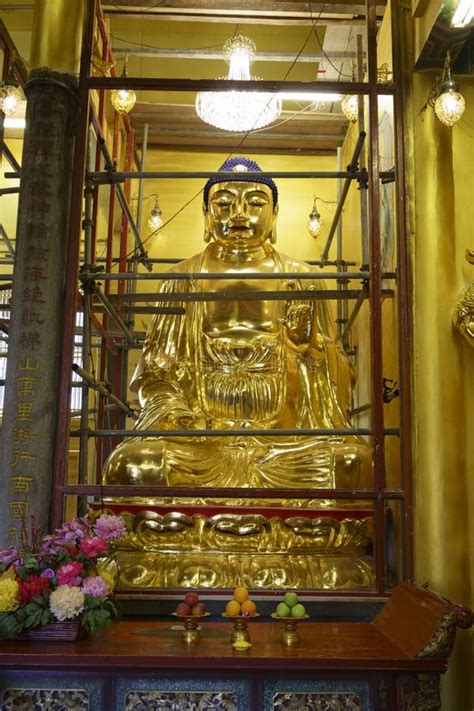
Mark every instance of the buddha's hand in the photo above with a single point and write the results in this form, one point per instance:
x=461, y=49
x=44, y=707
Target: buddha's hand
x=190, y=421
x=298, y=323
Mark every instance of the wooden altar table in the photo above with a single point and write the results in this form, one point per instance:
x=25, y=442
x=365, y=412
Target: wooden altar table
x=393, y=662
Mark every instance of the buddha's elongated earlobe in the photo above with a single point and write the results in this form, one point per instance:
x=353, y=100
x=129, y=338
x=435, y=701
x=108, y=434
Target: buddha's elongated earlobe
x=273, y=234
x=207, y=233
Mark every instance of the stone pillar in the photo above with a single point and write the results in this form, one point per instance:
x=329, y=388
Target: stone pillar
x=31, y=390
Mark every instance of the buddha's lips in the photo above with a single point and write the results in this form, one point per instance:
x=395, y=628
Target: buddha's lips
x=239, y=228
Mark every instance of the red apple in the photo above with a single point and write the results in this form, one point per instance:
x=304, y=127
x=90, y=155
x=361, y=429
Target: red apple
x=183, y=609
x=199, y=608
x=191, y=599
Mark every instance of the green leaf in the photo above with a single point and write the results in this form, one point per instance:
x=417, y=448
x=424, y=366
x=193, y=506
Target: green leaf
x=34, y=620
x=46, y=617
x=39, y=600
x=93, y=602
x=9, y=626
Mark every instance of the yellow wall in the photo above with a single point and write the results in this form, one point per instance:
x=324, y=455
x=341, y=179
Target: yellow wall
x=443, y=367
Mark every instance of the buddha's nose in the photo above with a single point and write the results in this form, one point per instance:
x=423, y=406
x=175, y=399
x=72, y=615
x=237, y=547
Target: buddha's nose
x=241, y=208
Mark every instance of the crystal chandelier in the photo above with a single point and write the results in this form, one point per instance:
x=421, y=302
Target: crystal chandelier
x=449, y=105
x=238, y=110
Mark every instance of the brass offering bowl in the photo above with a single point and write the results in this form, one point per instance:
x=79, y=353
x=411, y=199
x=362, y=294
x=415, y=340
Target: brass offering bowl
x=240, y=631
x=289, y=634
x=191, y=632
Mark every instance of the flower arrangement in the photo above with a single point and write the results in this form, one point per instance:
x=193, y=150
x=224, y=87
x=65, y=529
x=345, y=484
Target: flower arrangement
x=56, y=579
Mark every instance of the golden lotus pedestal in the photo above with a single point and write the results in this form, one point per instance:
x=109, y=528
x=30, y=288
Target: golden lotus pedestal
x=211, y=544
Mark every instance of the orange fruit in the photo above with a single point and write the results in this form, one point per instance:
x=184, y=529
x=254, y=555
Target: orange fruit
x=241, y=594
x=248, y=608
x=232, y=608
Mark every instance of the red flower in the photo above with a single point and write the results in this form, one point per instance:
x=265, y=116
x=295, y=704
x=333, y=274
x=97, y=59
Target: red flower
x=93, y=546
x=72, y=551
x=69, y=573
x=32, y=586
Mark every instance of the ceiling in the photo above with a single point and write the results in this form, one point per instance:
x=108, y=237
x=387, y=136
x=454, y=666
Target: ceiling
x=295, y=40
x=184, y=39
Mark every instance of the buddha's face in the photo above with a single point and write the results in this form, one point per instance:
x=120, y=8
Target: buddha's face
x=240, y=214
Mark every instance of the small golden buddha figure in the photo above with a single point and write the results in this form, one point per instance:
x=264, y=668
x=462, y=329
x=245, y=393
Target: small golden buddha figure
x=233, y=364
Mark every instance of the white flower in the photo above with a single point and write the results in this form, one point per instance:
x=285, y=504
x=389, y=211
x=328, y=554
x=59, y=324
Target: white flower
x=66, y=602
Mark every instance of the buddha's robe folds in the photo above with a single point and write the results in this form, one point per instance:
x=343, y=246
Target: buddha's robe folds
x=242, y=364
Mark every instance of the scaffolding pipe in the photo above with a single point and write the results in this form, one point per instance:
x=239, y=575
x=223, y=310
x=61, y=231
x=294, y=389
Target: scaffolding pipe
x=178, y=276
x=113, y=313
x=357, y=306
x=132, y=269
x=366, y=431
x=103, y=390
x=141, y=183
x=10, y=157
x=8, y=244
x=351, y=174
x=323, y=294
x=86, y=343
x=362, y=161
x=115, y=176
x=123, y=201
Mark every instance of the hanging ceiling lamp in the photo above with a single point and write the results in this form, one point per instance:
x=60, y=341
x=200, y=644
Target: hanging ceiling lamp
x=350, y=107
x=238, y=110
x=315, y=223
x=350, y=103
x=449, y=105
x=11, y=95
x=123, y=100
x=155, y=219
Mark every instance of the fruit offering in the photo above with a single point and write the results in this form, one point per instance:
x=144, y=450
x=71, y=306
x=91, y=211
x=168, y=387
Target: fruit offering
x=290, y=607
x=240, y=604
x=191, y=606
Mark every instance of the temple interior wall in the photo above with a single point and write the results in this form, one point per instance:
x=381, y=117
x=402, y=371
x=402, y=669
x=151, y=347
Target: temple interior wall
x=443, y=367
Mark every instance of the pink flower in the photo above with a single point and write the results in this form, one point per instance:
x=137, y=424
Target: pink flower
x=110, y=527
x=70, y=574
x=9, y=555
x=93, y=546
x=95, y=586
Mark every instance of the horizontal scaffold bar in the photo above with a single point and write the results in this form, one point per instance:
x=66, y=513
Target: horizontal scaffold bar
x=237, y=433
x=228, y=276
x=265, y=85
x=118, y=176
x=321, y=294
x=240, y=493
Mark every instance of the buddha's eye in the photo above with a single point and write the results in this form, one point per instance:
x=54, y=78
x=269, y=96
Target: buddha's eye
x=221, y=200
x=257, y=200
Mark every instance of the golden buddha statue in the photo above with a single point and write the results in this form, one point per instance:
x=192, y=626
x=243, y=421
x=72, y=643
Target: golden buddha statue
x=238, y=363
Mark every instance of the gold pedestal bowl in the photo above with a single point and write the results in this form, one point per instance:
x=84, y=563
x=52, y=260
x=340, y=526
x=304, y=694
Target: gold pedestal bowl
x=240, y=632
x=289, y=633
x=191, y=632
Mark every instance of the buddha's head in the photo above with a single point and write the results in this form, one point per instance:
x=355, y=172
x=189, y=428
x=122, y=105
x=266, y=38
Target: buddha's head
x=240, y=211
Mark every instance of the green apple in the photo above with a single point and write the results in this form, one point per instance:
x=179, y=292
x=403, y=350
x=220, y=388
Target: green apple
x=283, y=610
x=298, y=610
x=290, y=599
